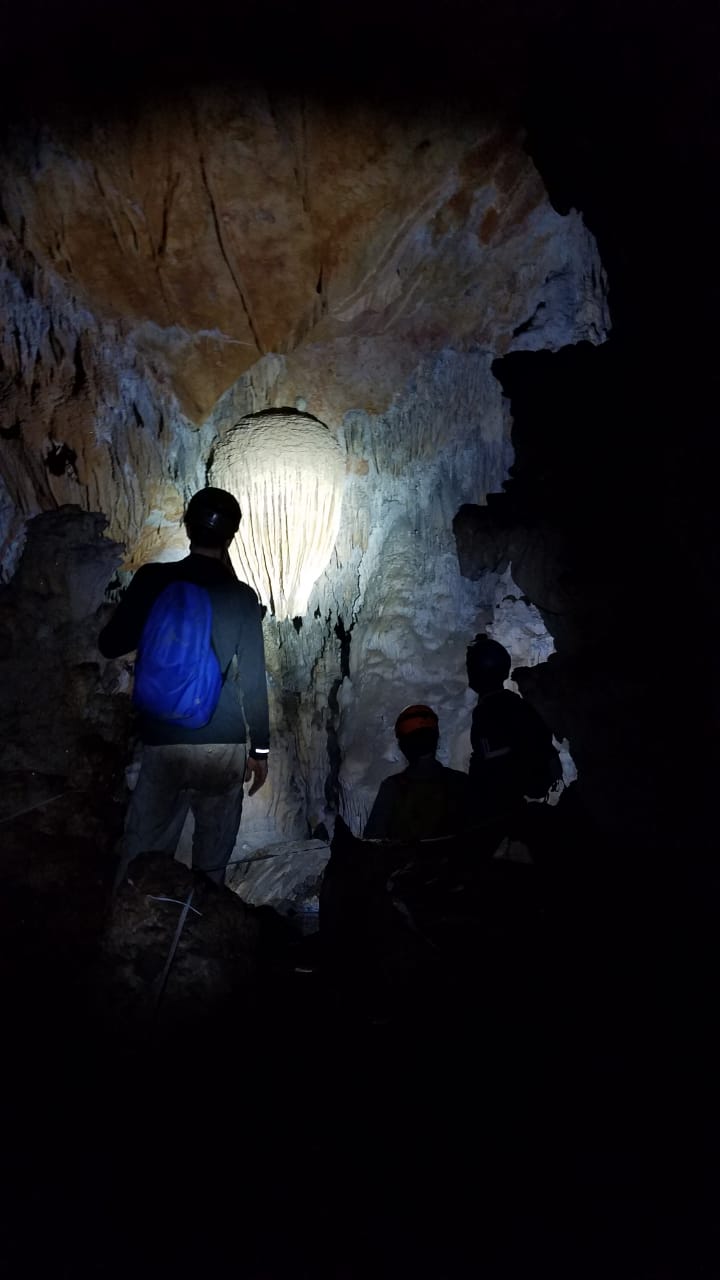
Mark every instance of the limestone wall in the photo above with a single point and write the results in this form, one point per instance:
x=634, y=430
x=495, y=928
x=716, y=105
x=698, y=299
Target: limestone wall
x=165, y=276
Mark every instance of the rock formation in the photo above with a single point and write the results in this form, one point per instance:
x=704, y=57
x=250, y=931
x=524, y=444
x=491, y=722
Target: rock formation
x=288, y=474
x=169, y=275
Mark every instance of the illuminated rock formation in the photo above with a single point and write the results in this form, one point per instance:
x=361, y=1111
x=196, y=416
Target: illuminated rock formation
x=170, y=282
x=148, y=266
x=288, y=474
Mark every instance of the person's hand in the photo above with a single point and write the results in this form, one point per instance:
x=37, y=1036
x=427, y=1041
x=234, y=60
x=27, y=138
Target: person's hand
x=257, y=770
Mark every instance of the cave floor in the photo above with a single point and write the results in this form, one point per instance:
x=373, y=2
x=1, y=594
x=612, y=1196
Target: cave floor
x=539, y=1106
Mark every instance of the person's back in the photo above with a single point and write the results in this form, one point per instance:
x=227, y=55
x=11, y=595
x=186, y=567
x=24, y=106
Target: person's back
x=235, y=633
x=509, y=741
x=196, y=753
x=512, y=749
x=425, y=801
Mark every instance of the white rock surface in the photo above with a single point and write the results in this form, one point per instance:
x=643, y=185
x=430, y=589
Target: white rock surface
x=285, y=877
x=407, y=614
x=288, y=473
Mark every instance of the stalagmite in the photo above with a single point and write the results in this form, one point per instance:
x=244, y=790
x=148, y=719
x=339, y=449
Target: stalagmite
x=288, y=474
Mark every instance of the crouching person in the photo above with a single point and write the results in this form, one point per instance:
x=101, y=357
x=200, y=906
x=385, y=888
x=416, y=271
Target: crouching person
x=199, y=688
x=370, y=944
x=427, y=800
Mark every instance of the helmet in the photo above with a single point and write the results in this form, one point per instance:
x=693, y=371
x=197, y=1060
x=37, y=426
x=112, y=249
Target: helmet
x=213, y=516
x=416, y=716
x=488, y=663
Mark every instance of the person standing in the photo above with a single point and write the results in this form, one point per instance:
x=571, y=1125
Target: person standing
x=185, y=765
x=513, y=756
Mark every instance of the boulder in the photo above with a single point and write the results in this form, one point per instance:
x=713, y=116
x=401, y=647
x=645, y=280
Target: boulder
x=286, y=877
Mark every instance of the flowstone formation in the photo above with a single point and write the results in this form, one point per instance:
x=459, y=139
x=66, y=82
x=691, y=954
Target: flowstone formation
x=233, y=257
x=288, y=474
x=389, y=619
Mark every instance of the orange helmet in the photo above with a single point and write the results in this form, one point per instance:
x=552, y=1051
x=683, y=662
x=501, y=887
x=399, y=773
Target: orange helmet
x=416, y=716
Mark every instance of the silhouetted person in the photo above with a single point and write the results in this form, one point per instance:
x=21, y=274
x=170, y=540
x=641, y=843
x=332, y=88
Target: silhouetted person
x=427, y=799
x=513, y=756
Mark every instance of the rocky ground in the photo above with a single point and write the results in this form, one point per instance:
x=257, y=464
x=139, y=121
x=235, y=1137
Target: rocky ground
x=533, y=1105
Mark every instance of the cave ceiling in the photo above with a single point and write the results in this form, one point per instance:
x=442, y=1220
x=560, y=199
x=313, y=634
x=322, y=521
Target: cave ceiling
x=229, y=226
x=154, y=256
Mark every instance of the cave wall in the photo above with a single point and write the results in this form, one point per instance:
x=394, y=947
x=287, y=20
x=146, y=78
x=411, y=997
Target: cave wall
x=167, y=274
x=85, y=420
x=620, y=502
x=389, y=619
x=65, y=713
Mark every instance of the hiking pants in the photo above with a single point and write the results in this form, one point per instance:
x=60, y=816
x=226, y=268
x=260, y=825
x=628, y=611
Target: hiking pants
x=206, y=779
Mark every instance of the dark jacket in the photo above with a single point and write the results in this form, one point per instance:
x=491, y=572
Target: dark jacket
x=424, y=802
x=511, y=748
x=236, y=632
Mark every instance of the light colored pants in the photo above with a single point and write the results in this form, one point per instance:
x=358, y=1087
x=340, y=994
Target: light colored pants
x=207, y=779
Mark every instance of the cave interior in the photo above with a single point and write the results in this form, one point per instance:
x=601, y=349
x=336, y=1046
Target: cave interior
x=470, y=258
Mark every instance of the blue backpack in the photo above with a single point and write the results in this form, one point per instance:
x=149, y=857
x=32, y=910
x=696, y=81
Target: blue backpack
x=177, y=674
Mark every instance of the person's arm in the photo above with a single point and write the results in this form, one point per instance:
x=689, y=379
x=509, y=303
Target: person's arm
x=122, y=633
x=256, y=771
x=251, y=665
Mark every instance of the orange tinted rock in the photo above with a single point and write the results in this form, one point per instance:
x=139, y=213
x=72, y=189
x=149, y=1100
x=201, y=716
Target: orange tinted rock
x=229, y=225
